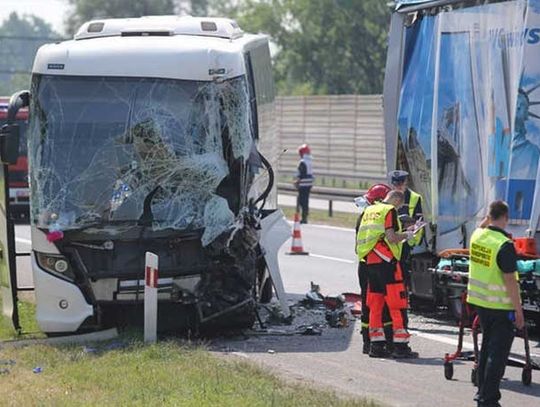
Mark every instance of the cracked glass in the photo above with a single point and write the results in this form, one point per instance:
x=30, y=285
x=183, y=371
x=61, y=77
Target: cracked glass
x=167, y=154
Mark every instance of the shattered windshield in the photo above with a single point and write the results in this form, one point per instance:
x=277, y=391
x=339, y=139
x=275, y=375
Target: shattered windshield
x=144, y=151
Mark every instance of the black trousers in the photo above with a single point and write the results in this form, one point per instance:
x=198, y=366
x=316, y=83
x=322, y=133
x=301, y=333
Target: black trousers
x=406, y=264
x=497, y=337
x=302, y=202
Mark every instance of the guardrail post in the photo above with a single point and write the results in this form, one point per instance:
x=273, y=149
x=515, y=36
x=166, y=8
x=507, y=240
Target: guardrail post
x=151, y=298
x=330, y=208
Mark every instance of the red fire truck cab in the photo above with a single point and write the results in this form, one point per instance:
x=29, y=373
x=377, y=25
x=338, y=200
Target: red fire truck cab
x=19, y=195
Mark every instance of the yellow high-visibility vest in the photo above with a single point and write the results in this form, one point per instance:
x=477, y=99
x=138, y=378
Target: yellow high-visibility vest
x=372, y=230
x=486, y=286
x=415, y=198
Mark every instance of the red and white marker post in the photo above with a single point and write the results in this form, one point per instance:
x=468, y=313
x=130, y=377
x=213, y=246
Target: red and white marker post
x=151, y=276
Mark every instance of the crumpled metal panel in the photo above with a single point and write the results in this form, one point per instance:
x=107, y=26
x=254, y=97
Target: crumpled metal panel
x=137, y=150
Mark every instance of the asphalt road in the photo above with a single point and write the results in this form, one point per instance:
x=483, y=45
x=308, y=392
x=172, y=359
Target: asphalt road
x=335, y=358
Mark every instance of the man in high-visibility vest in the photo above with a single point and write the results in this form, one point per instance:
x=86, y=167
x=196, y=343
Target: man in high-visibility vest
x=494, y=290
x=375, y=194
x=379, y=243
x=304, y=181
x=411, y=208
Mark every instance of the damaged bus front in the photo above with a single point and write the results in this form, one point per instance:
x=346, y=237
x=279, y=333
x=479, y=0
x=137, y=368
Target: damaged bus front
x=152, y=134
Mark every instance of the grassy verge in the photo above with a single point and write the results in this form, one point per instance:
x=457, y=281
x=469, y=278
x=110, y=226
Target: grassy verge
x=127, y=372
x=27, y=320
x=317, y=216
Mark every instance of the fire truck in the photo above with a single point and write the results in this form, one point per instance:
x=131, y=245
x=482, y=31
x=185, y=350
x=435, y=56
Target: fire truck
x=18, y=172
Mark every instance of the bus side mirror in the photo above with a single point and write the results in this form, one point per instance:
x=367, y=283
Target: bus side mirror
x=10, y=132
x=9, y=143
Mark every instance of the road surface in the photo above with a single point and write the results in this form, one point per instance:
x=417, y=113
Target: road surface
x=335, y=359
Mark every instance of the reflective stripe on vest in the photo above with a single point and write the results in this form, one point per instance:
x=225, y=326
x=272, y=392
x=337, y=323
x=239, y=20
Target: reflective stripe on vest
x=413, y=201
x=486, y=286
x=372, y=230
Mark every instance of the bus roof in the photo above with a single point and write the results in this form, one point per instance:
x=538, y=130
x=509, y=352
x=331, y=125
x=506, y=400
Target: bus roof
x=161, y=47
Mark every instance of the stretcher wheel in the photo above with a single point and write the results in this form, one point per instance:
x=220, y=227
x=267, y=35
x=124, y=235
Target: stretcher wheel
x=448, y=370
x=526, y=376
x=474, y=376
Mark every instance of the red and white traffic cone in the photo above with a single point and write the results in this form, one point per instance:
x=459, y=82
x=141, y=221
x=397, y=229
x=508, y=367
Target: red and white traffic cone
x=297, y=247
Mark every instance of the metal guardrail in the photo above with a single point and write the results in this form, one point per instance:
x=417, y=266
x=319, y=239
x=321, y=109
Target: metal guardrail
x=326, y=193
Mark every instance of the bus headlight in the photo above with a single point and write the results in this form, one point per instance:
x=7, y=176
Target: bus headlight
x=55, y=264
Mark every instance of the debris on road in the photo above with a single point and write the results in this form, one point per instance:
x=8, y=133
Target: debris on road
x=310, y=315
x=310, y=330
x=271, y=351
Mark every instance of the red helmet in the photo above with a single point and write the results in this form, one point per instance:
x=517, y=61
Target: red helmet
x=376, y=193
x=304, y=149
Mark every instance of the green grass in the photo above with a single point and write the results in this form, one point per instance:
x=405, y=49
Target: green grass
x=170, y=373
x=27, y=321
x=318, y=216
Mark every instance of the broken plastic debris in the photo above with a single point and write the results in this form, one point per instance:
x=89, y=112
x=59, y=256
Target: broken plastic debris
x=337, y=318
x=37, y=369
x=115, y=345
x=271, y=351
x=310, y=331
x=314, y=297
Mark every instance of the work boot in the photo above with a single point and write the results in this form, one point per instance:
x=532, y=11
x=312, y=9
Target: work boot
x=365, y=348
x=389, y=336
x=403, y=351
x=378, y=350
x=365, y=338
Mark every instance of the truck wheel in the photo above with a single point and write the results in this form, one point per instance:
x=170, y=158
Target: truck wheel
x=267, y=291
x=414, y=303
x=474, y=376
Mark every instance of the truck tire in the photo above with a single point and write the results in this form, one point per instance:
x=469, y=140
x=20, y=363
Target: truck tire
x=267, y=291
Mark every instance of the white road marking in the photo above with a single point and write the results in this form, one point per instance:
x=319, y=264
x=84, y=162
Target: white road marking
x=320, y=256
x=311, y=225
x=25, y=241
x=454, y=342
x=332, y=227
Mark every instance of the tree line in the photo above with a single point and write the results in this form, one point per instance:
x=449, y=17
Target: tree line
x=319, y=46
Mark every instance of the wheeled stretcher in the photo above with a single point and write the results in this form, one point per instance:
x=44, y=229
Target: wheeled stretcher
x=452, y=271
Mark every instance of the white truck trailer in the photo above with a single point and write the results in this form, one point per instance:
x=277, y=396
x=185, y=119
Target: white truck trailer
x=462, y=116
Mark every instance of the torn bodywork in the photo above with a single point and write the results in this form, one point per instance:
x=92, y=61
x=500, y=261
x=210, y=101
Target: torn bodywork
x=120, y=166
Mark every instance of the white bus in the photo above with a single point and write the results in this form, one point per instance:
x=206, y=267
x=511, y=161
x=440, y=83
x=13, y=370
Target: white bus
x=153, y=134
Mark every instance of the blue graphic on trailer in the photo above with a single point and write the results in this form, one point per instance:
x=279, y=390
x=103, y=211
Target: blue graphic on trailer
x=460, y=181
x=525, y=151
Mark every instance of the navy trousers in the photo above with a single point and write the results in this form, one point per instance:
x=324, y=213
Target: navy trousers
x=497, y=336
